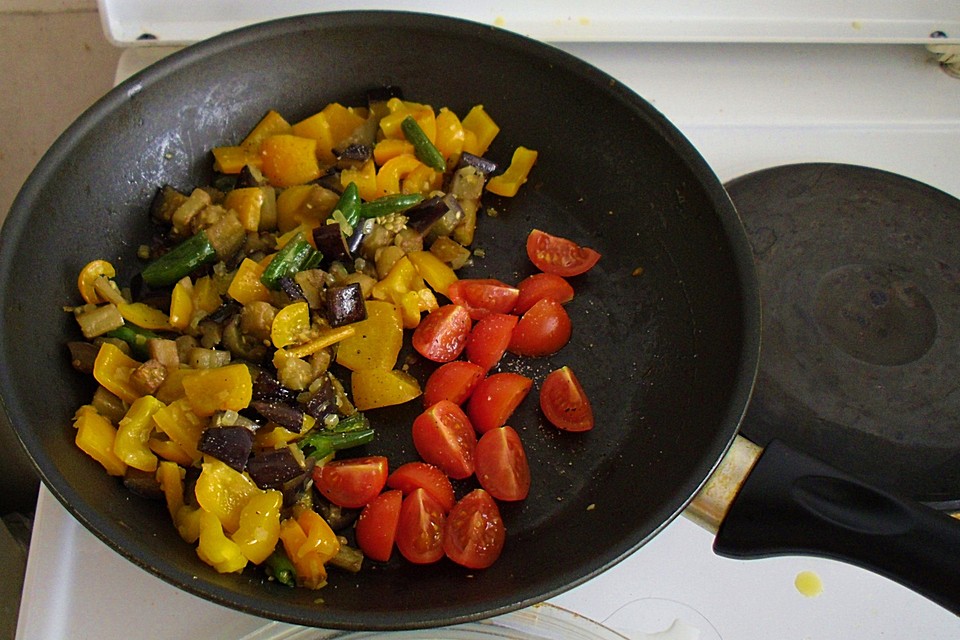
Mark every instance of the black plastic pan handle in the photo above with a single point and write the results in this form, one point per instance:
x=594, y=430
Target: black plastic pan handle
x=792, y=504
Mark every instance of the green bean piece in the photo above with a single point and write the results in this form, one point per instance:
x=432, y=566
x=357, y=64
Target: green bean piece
x=425, y=150
x=385, y=205
x=349, y=204
x=354, y=422
x=289, y=260
x=180, y=261
x=321, y=444
x=134, y=336
x=280, y=568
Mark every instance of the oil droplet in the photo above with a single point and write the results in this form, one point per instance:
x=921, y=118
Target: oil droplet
x=808, y=584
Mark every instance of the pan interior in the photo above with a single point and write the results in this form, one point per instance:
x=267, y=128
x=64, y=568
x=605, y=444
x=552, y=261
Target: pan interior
x=664, y=327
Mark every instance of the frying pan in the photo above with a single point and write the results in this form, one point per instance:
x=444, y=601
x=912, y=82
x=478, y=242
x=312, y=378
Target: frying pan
x=667, y=325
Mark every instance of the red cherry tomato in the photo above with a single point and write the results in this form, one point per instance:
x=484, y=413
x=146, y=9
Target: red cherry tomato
x=474, y=535
x=495, y=399
x=376, y=528
x=539, y=286
x=501, y=465
x=420, y=475
x=352, y=482
x=444, y=437
x=489, y=339
x=421, y=528
x=483, y=295
x=553, y=254
x=564, y=402
x=442, y=334
x=543, y=330
x=453, y=381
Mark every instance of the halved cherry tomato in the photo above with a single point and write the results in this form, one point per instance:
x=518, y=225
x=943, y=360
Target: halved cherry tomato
x=489, y=339
x=420, y=475
x=453, y=381
x=474, y=535
x=483, y=295
x=553, y=254
x=421, y=528
x=564, y=402
x=543, y=330
x=496, y=398
x=501, y=465
x=539, y=286
x=442, y=334
x=352, y=482
x=376, y=528
x=444, y=437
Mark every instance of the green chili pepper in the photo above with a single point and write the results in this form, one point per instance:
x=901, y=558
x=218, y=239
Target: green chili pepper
x=289, y=260
x=321, y=444
x=180, y=261
x=385, y=205
x=135, y=337
x=349, y=204
x=280, y=567
x=425, y=150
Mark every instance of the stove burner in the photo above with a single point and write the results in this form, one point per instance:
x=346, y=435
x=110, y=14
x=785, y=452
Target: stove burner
x=859, y=273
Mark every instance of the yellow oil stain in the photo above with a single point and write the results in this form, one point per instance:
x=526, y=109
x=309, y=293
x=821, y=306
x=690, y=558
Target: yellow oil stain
x=808, y=584
x=500, y=21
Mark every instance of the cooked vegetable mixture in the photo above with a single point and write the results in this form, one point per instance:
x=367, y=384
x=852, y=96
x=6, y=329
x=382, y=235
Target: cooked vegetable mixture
x=317, y=245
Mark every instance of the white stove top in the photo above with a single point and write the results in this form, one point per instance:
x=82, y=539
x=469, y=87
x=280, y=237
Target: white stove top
x=745, y=107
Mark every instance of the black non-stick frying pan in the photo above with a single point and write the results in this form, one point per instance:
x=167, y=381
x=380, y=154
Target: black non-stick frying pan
x=667, y=326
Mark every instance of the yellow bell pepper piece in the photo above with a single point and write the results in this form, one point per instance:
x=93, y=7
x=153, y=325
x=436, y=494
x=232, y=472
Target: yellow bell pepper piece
x=438, y=274
x=112, y=369
x=219, y=389
x=402, y=277
x=289, y=160
x=304, y=204
x=145, y=316
x=246, y=202
x=206, y=297
x=376, y=341
x=390, y=124
x=390, y=174
x=270, y=125
x=326, y=338
x=245, y=287
x=232, y=160
x=216, y=549
x=450, y=134
x=88, y=276
x=509, y=182
x=172, y=387
x=390, y=148
x=483, y=129
x=365, y=177
x=375, y=388
x=95, y=437
x=343, y=121
x=178, y=421
x=290, y=325
x=317, y=127
x=134, y=431
x=276, y=437
x=422, y=180
x=185, y=518
x=309, y=543
x=259, y=529
x=170, y=451
x=224, y=492
x=181, y=304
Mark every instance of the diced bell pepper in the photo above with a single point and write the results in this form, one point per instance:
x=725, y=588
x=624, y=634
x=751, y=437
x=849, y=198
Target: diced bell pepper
x=216, y=549
x=88, y=276
x=259, y=529
x=289, y=160
x=95, y=437
x=178, y=421
x=224, y=492
x=509, y=182
x=376, y=341
x=374, y=388
x=219, y=389
x=246, y=286
x=291, y=325
x=112, y=369
x=133, y=433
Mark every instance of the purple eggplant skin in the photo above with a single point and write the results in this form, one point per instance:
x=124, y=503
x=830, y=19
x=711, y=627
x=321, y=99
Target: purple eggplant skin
x=483, y=165
x=267, y=388
x=332, y=244
x=274, y=468
x=344, y=305
x=283, y=414
x=230, y=445
x=323, y=401
x=423, y=216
